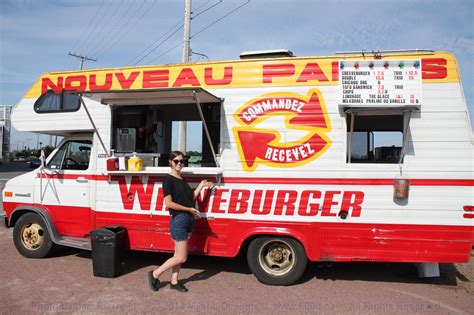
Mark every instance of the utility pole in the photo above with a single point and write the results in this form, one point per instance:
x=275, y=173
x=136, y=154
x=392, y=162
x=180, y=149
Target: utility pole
x=187, y=31
x=186, y=50
x=82, y=58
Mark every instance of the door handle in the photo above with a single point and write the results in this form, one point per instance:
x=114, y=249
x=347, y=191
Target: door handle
x=82, y=179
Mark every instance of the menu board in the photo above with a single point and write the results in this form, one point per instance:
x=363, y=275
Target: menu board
x=380, y=83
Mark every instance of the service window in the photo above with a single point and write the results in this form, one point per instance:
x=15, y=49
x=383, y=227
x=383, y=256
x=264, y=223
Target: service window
x=153, y=130
x=375, y=137
x=73, y=155
x=51, y=102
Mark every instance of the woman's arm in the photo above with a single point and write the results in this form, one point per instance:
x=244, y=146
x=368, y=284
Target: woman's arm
x=170, y=204
x=202, y=184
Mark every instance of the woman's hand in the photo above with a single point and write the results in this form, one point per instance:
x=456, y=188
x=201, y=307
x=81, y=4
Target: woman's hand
x=206, y=183
x=202, y=184
x=195, y=213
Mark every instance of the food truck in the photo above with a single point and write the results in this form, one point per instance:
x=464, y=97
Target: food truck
x=353, y=157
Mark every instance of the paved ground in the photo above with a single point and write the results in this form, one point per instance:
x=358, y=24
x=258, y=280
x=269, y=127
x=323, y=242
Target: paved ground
x=11, y=169
x=65, y=283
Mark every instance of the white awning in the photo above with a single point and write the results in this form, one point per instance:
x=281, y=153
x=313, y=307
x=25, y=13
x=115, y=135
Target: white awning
x=176, y=96
x=153, y=97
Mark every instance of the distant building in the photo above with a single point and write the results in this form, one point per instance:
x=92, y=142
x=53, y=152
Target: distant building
x=5, y=129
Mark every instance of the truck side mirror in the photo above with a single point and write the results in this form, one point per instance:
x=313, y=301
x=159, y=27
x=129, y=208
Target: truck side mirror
x=42, y=159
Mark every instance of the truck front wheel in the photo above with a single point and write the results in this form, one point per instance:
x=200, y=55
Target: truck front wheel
x=31, y=237
x=276, y=260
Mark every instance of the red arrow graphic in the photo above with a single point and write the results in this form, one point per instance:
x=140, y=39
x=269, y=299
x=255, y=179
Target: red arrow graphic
x=257, y=145
x=312, y=114
x=304, y=112
x=307, y=113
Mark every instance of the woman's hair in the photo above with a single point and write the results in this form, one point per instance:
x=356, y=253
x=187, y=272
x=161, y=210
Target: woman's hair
x=175, y=154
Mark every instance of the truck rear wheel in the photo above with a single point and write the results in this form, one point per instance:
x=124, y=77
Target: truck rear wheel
x=276, y=260
x=31, y=237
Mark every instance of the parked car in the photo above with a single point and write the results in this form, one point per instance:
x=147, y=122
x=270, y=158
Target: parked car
x=35, y=162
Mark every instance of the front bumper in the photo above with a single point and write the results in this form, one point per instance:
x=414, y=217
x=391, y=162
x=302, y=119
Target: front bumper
x=4, y=219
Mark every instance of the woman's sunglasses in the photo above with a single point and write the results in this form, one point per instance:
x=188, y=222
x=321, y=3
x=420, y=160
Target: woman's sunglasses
x=178, y=161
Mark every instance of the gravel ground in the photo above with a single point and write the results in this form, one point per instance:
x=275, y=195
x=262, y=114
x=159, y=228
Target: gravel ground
x=64, y=283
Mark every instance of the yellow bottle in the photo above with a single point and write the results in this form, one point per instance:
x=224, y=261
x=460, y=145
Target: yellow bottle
x=134, y=163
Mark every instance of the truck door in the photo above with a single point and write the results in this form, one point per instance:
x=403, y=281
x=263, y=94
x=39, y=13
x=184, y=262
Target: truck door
x=63, y=187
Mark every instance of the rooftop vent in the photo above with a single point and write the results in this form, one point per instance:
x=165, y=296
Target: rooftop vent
x=276, y=53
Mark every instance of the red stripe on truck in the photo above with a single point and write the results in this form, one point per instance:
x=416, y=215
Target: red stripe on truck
x=287, y=181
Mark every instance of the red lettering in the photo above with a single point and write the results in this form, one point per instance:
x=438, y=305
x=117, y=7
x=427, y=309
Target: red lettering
x=335, y=71
x=160, y=200
x=277, y=70
x=155, y=78
x=434, y=68
x=328, y=203
x=203, y=200
x=186, y=77
x=47, y=84
x=239, y=201
x=285, y=199
x=312, y=72
x=217, y=200
x=226, y=79
x=267, y=204
x=313, y=207
x=76, y=83
x=97, y=87
x=136, y=189
x=126, y=83
x=352, y=200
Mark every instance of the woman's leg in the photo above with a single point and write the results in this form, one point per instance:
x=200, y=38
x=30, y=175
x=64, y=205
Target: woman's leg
x=179, y=257
x=175, y=274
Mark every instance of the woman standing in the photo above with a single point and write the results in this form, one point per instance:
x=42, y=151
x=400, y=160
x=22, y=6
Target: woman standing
x=179, y=199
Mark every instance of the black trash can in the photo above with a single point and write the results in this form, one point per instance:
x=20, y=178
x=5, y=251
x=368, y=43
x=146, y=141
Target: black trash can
x=107, y=251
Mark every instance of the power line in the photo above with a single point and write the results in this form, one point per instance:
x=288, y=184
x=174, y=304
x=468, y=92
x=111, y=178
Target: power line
x=197, y=33
x=207, y=9
x=203, y=4
x=104, y=40
x=161, y=43
x=82, y=58
x=147, y=9
x=166, y=52
x=88, y=26
x=179, y=25
x=105, y=25
x=220, y=19
x=169, y=36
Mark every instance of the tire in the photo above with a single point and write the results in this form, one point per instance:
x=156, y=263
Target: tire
x=276, y=260
x=31, y=237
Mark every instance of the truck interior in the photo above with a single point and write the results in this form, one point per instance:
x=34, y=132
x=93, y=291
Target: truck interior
x=142, y=122
x=376, y=136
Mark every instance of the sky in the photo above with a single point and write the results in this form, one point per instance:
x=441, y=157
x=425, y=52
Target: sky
x=37, y=35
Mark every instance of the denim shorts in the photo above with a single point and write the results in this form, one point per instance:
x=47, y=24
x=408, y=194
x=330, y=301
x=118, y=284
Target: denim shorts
x=181, y=225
